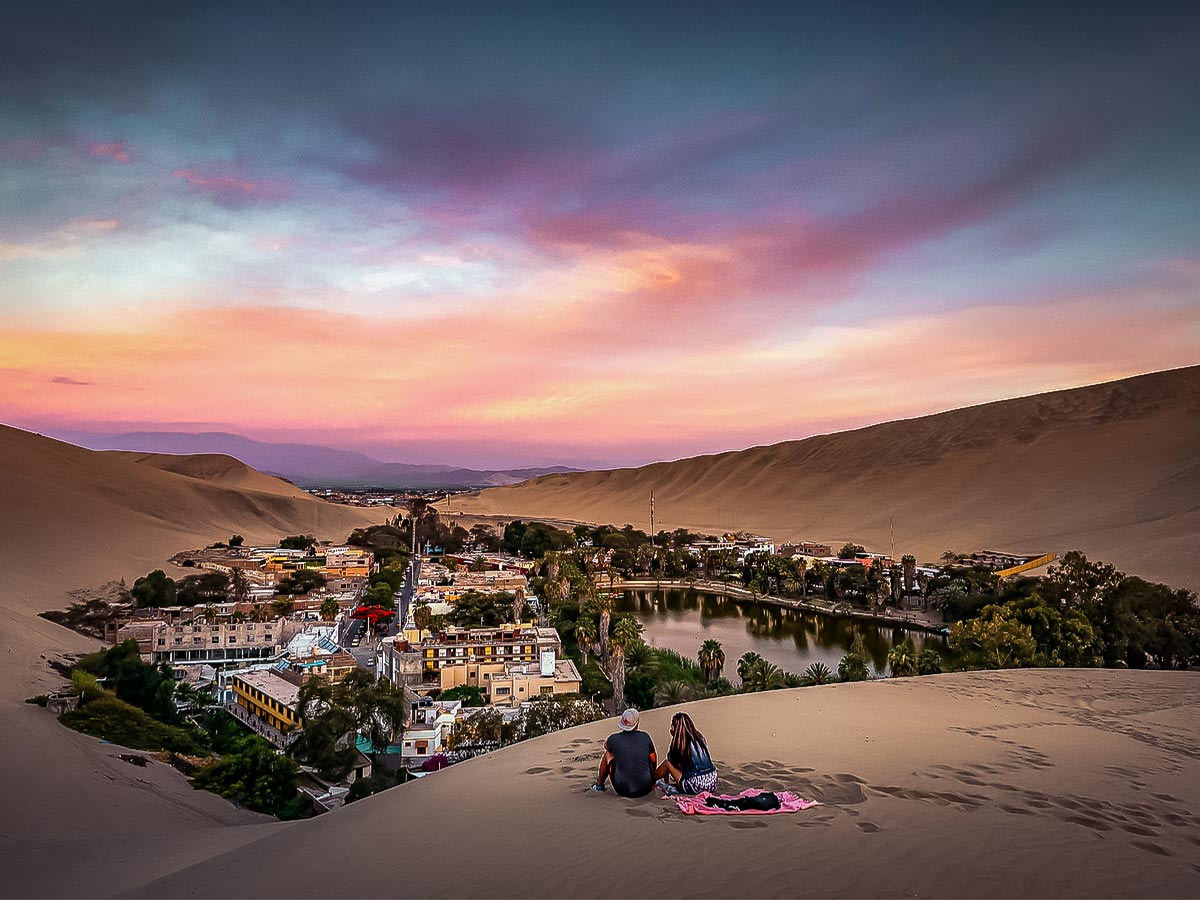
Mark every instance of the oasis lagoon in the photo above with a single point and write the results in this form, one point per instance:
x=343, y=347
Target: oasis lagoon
x=681, y=620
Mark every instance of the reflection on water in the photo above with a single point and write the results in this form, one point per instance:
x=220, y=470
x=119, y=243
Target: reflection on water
x=682, y=619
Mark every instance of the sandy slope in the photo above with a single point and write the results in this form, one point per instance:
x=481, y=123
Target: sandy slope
x=1065, y=783
x=215, y=468
x=74, y=518
x=1111, y=469
x=1069, y=783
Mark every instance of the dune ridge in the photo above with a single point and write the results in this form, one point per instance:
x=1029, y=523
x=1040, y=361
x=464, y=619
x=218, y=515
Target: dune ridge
x=1111, y=469
x=74, y=518
x=1022, y=783
x=215, y=468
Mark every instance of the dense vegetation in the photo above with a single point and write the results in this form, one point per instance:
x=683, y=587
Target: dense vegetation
x=138, y=705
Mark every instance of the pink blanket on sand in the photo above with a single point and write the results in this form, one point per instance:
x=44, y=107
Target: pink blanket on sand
x=788, y=803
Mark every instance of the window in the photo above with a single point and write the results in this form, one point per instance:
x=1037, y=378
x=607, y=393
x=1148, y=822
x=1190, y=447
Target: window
x=503, y=692
x=546, y=689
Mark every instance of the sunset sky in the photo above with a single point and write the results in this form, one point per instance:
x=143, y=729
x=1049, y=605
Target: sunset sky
x=565, y=233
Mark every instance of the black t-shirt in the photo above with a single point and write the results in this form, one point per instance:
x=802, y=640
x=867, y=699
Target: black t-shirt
x=632, y=775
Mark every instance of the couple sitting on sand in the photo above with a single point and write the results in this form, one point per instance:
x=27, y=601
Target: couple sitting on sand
x=630, y=761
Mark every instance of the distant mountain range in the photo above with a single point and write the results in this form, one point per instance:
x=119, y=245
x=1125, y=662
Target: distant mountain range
x=311, y=465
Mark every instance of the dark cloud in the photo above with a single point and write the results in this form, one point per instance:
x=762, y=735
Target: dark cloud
x=63, y=379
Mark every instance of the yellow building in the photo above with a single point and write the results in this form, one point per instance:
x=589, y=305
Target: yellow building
x=503, y=644
x=267, y=697
x=509, y=684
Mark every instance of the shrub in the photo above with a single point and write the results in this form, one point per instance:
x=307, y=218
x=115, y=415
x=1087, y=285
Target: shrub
x=258, y=778
x=39, y=700
x=106, y=717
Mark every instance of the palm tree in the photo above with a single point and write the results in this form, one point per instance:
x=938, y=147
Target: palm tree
x=627, y=632
x=422, y=615
x=668, y=693
x=909, y=564
x=239, y=586
x=763, y=675
x=260, y=612
x=329, y=608
x=853, y=668
x=818, y=673
x=712, y=660
x=585, y=637
x=744, y=663
x=949, y=558
x=639, y=657
x=902, y=660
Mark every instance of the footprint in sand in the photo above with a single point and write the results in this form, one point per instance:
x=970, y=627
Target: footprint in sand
x=1138, y=829
x=536, y=770
x=1152, y=848
x=868, y=827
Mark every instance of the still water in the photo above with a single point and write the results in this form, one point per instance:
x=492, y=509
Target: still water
x=683, y=619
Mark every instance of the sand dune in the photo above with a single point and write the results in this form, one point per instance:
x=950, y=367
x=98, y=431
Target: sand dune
x=1111, y=469
x=1031, y=783
x=990, y=784
x=74, y=518
x=215, y=468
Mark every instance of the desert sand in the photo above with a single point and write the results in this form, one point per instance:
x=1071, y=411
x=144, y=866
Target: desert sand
x=994, y=784
x=1032, y=783
x=1110, y=469
x=73, y=519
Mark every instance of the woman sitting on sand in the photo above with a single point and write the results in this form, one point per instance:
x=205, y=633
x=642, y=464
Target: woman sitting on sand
x=688, y=762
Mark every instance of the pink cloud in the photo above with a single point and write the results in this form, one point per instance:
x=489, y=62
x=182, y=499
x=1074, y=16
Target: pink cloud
x=230, y=188
x=117, y=151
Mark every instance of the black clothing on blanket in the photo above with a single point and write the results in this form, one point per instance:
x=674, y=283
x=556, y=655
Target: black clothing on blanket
x=761, y=802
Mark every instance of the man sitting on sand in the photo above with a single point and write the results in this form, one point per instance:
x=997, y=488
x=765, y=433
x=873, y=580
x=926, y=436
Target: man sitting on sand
x=629, y=759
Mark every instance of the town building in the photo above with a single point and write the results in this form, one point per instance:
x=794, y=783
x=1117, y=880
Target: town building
x=504, y=643
x=219, y=644
x=265, y=701
x=510, y=684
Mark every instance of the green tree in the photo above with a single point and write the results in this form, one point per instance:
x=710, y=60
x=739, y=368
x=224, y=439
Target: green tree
x=744, y=663
x=148, y=687
x=422, y=615
x=763, y=675
x=929, y=662
x=257, y=777
x=626, y=633
x=712, y=659
x=818, y=673
x=297, y=542
x=239, y=586
x=908, y=564
x=514, y=532
x=849, y=551
x=236, y=540
x=853, y=668
x=669, y=693
x=330, y=608
x=585, y=636
x=993, y=642
x=300, y=582
x=156, y=589
x=206, y=588
x=902, y=659
x=469, y=695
